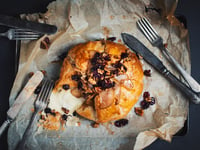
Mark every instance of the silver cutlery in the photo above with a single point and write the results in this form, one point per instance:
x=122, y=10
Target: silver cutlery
x=21, y=99
x=157, y=41
x=15, y=22
x=134, y=44
x=20, y=34
x=40, y=104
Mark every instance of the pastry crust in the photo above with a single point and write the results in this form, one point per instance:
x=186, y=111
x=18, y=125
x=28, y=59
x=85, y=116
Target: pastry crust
x=111, y=103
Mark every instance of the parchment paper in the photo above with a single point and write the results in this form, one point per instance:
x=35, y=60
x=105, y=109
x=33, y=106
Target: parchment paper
x=79, y=21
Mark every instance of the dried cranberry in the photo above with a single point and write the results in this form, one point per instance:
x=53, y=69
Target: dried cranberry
x=153, y=100
x=147, y=73
x=124, y=55
x=65, y=86
x=76, y=77
x=53, y=113
x=64, y=117
x=111, y=38
x=95, y=125
x=139, y=111
x=146, y=94
x=144, y=104
x=45, y=43
x=121, y=123
x=80, y=85
x=65, y=110
x=47, y=110
x=30, y=74
x=115, y=72
x=74, y=113
x=107, y=58
x=124, y=67
x=47, y=40
x=118, y=65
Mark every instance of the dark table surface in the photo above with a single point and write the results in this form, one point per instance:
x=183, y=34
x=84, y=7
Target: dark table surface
x=190, y=9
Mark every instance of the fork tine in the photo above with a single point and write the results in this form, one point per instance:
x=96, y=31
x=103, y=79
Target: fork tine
x=29, y=38
x=47, y=94
x=151, y=27
x=40, y=95
x=27, y=35
x=153, y=33
x=17, y=30
x=145, y=31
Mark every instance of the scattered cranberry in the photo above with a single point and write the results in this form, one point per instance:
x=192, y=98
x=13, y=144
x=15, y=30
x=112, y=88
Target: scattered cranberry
x=47, y=110
x=147, y=73
x=53, y=113
x=64, y=117
x=124, y=55
x=44, y=72
x=144, y=104
x=76, y=77
x=42, y=117
x=65, y=110
x=146, y=94
x=74, y=113
x=139, y=111
x=45, y=43
x=107, y=58
x=30, y=74
x=165, y=45
x=111, y=38
x=65, y=86
x=95, y=125
x=152, y=101
x=80, y=85
x=121, y=123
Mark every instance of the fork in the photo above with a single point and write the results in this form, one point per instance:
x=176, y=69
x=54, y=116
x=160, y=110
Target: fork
x=157, y=41
x=40, y=104
x=20, y=34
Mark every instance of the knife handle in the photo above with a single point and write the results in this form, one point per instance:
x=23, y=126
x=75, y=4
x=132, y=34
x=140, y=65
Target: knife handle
x=191, y=94
x=4, y=126
x=193, y=84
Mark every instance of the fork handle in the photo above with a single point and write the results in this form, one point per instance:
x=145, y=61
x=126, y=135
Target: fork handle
x=22, y=144
x=193, y=84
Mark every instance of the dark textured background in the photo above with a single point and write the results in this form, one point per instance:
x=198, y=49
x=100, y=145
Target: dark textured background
x=190, y=9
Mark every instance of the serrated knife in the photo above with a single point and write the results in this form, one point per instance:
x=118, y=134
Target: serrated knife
x=25, y=24
x=21, y=99
x=135, y=45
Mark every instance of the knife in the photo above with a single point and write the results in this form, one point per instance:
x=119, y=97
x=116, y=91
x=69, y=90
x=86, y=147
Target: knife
x=21, y=99
x=135, y=45
x=24, y=24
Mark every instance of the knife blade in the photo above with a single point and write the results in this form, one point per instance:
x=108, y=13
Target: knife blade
x=24, y=24
x=21, y=99
x=135, y=45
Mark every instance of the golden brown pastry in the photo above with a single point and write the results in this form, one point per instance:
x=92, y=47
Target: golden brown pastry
x=108, y=75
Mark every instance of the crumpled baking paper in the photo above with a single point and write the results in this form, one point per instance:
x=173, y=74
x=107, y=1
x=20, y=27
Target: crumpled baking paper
x=83, y=20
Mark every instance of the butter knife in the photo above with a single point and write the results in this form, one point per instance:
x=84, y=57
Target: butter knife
x=24, y=24
x=135, y=45
x=21, y=99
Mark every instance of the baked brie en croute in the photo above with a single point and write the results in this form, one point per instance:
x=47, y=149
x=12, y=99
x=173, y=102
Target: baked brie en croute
x=103, y=78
